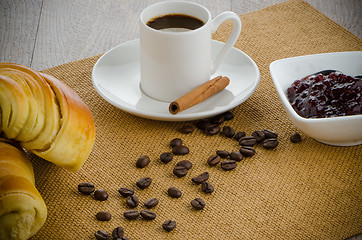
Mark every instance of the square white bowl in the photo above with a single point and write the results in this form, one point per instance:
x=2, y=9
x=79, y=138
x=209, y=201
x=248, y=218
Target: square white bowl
x=338, y=131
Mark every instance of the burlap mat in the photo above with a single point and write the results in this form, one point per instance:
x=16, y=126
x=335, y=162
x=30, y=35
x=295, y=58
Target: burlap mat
x=297, y=191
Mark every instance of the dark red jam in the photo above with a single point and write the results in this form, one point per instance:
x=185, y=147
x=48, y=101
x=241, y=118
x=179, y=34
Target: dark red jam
x=320, y=96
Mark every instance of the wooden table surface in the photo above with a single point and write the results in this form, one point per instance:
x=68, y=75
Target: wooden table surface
x=47, y=33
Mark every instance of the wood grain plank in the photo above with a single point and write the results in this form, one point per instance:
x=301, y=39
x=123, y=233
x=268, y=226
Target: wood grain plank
x=74, y=29
x=347, y=13
x=19, y=23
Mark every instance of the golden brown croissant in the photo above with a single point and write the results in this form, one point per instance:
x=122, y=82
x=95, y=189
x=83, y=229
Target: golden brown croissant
x=22, y=209
x=46, y=116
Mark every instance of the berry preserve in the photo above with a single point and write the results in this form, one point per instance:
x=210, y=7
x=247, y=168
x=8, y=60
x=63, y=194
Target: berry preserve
x=320, y=96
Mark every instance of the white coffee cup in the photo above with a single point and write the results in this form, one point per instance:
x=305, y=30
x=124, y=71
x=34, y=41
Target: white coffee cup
x=174, y=63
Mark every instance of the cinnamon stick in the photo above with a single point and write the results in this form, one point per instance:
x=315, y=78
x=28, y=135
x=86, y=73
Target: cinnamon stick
x=199, y=94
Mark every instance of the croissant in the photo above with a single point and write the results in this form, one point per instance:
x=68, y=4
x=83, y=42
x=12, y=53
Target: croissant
x=22, y=209
x=45, y=116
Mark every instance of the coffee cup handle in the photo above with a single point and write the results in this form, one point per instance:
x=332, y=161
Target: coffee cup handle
x=231, y=40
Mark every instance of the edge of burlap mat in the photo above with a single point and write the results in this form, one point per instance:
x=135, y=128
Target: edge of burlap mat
x=297, y=191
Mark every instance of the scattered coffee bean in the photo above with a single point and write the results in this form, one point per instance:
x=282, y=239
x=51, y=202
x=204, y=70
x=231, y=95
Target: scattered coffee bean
x=150, y=203
x=144, y=182
x=237, y=156
x=270, y=143
x=142, y=161
x=295, y=138
x=174, y=192
x=169, y=225
x=185, y=163
x=131, y=214
x=212, y=130
x=148, y=215
x=86, y=188
x=180, y=171
x=222, y=153
x=198, y=203
x=258, y=135
x=100, y=195
x=228, y=115
x=125, y=192
x=132, y=201
x=103, y=216
x=203, y=124
x=117, y=232
x=166, y=157
x=201, y=178
x=239, y=135
x=176, y=142
x=269, y=134
x=247, y=141
x=101, y=235
x=219, y=119
x=228, y=165
x=180, y=150
x=206, y=187
x=213, y=160
x=228, y=131
x=187, y=129
x=247, y=151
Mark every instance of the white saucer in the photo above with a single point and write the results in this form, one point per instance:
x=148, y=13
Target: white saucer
x=116, y=77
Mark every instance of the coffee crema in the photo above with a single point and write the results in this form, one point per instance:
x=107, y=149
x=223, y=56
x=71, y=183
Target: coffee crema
x=175, y=22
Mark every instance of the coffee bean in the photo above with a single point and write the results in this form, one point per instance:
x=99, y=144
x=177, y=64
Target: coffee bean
x=125, y=192
x=187, y=129
x=228, y=165
x=180, y=150
x=239, y=135
x=101, y=235
x=174, y=192
x=86, y=188
x=142, y=161
x=117, y=232
x=228, y=115
x=206, y=187
x=270, y=143
x=237, y=156
x=100, y=195
x=258, y=135
x=176, y=142
x=185, y=163
x=169, y=225
x=180, y=171
x=148, y=215
x=144, y=182
x=132, y=201
x=131, y=214
x=203, y=124
x=212, y=130
x=166, y=157
x=295, y=138
x=247, y=141
x=222, y=153
x=219, y=119
x=150, y=203
x=201, y=178
x=198, y=203
x=247, y=151
x=213, y=160
x=103, y=216
x=269, y=134
x=228, y=131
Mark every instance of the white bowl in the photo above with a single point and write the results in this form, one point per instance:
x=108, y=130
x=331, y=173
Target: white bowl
x=338, y=131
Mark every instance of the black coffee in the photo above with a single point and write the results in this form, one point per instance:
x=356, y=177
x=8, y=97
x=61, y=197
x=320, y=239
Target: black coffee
x=175, y=22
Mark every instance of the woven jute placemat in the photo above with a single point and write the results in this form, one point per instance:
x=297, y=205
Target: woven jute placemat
x=307, y=190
